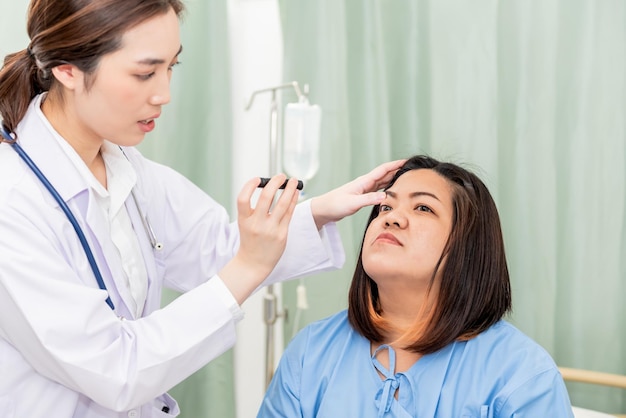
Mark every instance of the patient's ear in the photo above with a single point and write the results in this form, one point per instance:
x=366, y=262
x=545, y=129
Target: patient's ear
x=69, y=76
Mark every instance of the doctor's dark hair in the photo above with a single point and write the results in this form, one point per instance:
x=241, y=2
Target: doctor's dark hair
x=77, y=32
x=474, y=289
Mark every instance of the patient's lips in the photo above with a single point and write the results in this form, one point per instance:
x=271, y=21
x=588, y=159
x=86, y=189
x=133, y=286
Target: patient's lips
x=388, y=238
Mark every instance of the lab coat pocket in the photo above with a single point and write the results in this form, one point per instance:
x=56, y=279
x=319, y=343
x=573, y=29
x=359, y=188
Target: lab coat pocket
x=484, y=413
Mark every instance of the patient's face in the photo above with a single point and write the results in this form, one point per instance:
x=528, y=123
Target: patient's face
x=403, y=244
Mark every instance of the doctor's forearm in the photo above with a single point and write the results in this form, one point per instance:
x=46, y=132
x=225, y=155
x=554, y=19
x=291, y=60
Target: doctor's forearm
x=242, y=277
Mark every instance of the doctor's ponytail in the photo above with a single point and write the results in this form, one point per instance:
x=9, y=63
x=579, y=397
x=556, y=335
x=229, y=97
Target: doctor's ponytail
x=18, y=85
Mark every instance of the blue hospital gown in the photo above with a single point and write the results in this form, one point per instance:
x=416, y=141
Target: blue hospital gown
x=327, y=372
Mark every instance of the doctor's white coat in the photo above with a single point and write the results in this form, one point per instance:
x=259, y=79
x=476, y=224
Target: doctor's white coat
x=63, y=351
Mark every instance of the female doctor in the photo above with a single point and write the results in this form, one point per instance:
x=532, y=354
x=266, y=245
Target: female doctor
x=90, y=231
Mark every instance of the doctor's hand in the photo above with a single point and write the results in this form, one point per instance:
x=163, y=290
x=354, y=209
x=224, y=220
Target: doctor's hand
x=263, y=234
x=349, y=198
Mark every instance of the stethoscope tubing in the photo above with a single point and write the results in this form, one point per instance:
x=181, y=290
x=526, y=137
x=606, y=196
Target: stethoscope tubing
x=68, y=213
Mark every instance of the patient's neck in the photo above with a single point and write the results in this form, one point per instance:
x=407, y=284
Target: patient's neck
x=402, y=308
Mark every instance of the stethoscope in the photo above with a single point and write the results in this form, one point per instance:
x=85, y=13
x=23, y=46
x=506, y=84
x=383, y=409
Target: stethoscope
x=70, y=216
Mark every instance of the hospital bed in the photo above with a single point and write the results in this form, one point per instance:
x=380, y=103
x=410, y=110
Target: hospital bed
x=597, y=378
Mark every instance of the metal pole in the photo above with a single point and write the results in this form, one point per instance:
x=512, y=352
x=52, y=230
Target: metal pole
x=270, y=311
x=269, y=301
x=270, y=316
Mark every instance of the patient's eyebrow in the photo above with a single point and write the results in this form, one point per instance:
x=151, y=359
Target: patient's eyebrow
x=393, y=195
x=156, y=61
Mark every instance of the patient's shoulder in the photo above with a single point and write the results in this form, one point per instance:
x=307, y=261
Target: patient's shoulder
x=504, y=348
x=324, y=335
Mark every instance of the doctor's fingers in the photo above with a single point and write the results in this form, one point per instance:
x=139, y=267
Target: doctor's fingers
x=283, y=208
x=244, y=197
x=379, y=177
x=266, y=197
x=265, y=210
x=263, y=234
x=268, y=193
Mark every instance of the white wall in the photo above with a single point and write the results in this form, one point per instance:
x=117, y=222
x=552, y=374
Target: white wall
x=256, y=62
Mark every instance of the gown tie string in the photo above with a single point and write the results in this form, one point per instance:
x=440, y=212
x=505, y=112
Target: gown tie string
x=385, y=395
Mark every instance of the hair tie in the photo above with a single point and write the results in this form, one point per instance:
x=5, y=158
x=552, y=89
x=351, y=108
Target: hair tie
x=29, y=51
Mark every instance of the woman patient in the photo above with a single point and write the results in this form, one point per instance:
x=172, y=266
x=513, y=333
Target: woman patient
x=423, y=335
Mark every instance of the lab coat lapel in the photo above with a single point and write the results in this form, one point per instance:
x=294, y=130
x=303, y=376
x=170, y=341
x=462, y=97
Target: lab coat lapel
x=36, y=137
x=108, y=260
x=33, y=132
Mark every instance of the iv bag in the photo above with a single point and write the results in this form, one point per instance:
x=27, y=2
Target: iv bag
x=301, y=139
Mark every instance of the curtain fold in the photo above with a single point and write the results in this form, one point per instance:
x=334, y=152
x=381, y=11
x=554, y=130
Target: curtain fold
x=529, y=94
x=194, y=137
x=322, y=65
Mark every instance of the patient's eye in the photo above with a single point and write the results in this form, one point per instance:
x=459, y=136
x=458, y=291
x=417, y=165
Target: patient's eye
x=423, y=208
x=384, y=208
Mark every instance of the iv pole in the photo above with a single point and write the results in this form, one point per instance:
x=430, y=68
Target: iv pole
x=270, y=311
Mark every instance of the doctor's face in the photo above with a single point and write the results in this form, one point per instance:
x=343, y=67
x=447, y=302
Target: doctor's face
x=129, y=86
x=405, y=241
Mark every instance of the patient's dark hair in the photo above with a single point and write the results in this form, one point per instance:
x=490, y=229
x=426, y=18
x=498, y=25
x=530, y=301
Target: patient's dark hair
x=474, y=291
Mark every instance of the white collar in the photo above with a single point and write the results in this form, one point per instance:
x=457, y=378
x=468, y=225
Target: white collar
x=121, y=176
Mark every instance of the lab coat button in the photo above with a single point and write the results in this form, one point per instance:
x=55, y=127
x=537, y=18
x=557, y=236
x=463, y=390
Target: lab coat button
x=133, y=414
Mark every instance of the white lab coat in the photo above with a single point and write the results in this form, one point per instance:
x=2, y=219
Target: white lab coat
x=63, y=351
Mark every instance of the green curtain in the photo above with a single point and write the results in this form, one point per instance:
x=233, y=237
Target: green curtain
x=319, y=61
x=13, y=24
x=531, y=95
x=194, y=137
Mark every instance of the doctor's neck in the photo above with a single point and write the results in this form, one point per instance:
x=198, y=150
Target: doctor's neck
x=85, y=142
